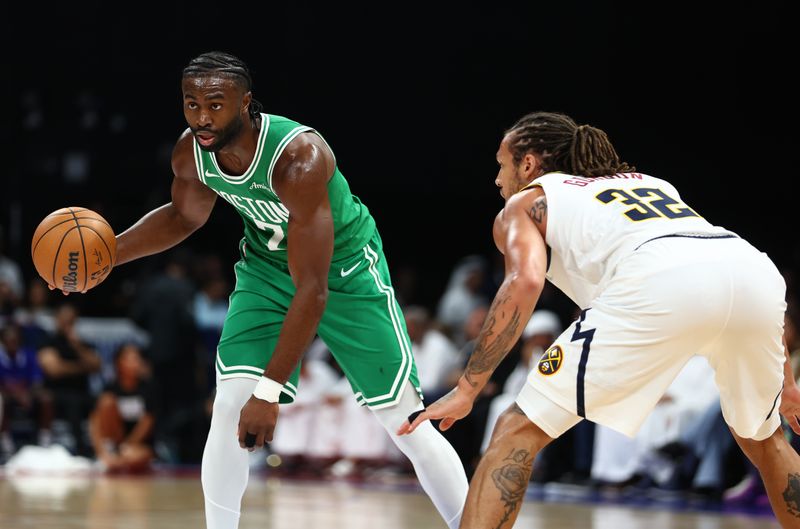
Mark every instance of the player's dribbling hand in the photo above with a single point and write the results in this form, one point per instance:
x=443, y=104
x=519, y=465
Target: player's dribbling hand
x=257, y=421
x=790, y=406
x=454, y=406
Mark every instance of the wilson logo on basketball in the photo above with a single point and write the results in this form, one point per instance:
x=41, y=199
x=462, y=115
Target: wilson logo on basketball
x=71, y=278
x=550, y=361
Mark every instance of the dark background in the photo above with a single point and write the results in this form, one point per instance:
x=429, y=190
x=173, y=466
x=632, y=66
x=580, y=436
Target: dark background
x=413, y=100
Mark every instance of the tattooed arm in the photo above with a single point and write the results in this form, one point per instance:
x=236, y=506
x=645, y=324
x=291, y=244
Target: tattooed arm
x=518, y=233
x=518, y=237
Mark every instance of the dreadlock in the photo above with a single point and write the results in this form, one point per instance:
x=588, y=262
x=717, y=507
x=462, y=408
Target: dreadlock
x=224, y=64
x=563, y=145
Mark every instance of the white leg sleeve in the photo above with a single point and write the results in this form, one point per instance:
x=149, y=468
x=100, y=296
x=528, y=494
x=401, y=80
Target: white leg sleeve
x=438, y=467
x=225, y=468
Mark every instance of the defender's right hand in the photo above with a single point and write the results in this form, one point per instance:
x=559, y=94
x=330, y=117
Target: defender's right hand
x=454, y=406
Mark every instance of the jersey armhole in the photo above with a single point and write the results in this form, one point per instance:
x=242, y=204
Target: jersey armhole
x=548, y=250
x=280, y=148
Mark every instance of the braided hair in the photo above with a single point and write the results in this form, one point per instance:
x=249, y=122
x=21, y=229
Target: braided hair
x=226, y=65
x=563, y=145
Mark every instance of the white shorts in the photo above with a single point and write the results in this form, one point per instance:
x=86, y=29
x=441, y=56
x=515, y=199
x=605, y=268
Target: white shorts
x=669, y=300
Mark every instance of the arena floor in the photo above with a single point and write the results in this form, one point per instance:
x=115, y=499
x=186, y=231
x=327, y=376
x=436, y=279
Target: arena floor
x=173, y=500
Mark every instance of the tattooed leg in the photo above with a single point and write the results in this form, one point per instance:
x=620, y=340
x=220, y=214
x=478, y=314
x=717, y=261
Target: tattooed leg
x=791, y=496
x=511, y=480
x=498, y=487
x=779, y=466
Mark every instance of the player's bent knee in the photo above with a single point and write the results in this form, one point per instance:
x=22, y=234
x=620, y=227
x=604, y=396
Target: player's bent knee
x=231, y=397
x=513, y=423
x=761, y=450
x=226, y=407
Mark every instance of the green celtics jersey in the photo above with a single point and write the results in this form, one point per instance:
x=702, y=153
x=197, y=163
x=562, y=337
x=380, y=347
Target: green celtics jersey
x=265, y=217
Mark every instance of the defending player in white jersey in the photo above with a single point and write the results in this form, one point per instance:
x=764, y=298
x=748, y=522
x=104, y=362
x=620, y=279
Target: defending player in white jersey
x=657, y=284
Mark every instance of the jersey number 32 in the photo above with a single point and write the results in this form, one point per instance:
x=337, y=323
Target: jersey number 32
x=648, y=203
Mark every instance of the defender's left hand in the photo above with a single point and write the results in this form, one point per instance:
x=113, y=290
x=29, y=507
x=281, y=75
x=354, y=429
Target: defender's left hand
x=257, y=419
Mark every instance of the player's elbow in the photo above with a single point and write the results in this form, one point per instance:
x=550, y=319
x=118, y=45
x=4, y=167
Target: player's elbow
x=319, y=302
x=526, y=281
x=315, y=295
x=192, y=223
x=188, y=220
x=321, y=298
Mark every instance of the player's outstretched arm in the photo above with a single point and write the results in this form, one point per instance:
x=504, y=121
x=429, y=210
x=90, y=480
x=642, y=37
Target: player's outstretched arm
x=518, y=237
x=300, y=180
x=166, y=226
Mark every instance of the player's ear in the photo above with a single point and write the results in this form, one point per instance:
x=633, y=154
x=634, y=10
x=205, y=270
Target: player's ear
x=530, y=165
x=248, y=97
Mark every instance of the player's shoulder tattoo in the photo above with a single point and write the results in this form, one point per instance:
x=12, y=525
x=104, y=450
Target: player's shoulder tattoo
x=539, y=210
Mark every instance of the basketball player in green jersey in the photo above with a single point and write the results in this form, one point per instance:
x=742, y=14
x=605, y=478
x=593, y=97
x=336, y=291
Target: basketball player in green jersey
x=311, y=262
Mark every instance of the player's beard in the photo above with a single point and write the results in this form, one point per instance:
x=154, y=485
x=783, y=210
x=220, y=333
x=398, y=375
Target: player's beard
x=224, y=136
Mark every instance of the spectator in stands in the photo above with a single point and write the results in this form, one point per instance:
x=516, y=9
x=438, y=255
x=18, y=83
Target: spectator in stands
x=620, y=459
x=702, y=453
x=358, y=444
x=67, y=362
x=211, y=305
x=297, y=435
x=20, y=388
x=12, y=287
x=8, y=302
x=163, y=308
x=435, y=355
x=462, y=296
x=121, y=424
x=210, y=309
x=35, y=315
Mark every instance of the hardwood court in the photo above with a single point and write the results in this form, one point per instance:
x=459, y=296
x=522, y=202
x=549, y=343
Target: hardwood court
x=169, y=502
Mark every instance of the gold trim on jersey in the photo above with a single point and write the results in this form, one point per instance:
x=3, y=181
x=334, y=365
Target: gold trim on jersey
x=533, y=184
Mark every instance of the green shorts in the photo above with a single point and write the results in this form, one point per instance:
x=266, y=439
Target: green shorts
x=362, y=325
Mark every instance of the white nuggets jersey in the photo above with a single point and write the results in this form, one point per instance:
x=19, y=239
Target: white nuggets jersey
x=594, y=222
x=657, y=284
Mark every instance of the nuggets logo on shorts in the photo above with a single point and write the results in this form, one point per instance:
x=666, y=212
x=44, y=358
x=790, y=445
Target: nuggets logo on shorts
x=550, y=362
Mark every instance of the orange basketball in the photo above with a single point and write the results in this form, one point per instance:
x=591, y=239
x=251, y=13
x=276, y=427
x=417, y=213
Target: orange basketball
x=74, y=249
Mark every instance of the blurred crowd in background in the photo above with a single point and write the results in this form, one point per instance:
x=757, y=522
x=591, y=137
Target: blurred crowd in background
x=134, y=392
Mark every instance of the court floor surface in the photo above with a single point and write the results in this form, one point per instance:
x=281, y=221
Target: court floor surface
x=174, y=501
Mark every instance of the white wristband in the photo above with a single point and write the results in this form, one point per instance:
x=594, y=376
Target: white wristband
x=268, y=390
